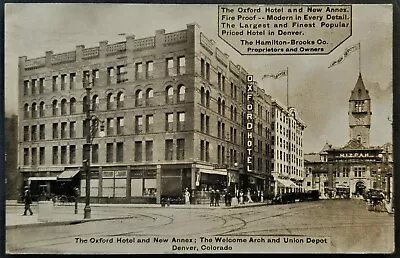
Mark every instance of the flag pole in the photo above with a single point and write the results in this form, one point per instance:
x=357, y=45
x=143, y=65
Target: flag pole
x=287, y=87
x=359, y=57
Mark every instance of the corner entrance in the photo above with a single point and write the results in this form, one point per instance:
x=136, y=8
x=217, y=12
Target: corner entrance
x=360, y=188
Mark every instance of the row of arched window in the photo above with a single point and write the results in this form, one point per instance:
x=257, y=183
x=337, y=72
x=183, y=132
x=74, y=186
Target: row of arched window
x=114, y=101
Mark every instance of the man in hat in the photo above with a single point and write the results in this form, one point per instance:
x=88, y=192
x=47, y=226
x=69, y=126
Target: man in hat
x=27, y=201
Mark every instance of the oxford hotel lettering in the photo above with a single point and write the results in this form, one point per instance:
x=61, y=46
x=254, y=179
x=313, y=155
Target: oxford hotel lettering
x=249, y=125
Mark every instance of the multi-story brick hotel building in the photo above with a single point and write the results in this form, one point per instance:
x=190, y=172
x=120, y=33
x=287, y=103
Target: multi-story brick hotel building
x=173, y=107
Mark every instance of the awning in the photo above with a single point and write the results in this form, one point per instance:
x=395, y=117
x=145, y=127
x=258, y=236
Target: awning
x=67, y=175
x=42, y=178
x=222, y=172
x=287, y=183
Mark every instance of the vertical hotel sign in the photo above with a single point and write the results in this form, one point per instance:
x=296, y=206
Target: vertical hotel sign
x=249, y=123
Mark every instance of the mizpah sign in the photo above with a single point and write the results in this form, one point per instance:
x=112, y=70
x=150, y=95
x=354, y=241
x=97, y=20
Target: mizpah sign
x=356, y=155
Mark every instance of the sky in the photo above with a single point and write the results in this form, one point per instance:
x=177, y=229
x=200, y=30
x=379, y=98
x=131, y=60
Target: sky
x=319, y=94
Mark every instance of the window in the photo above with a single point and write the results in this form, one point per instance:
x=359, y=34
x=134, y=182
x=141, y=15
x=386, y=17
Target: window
x=55, y=107
x=95, y=153
x=202, y=96
x=42, y=132
x=149, y=150
x=63, y=154
x=72, y=80
x=86, y=79
x=41, y=156
x=121, y=74
x=72, y=154
x=149, y=69
x=63, y=107
x=26, y=111
x=55, y=130
x=169, y=119
x=180, y=149
x=219, y=105
x=201, y=150
x=63, y=130
x=109, y=152
x=207, y=124
x=219, y=154
x=138, y=151
x=138, y=71
x=120, y=125
x=26, y=156
x=55, y=155
x=219, y=81
x=138, y=124
x=138, y=98
x=232, y=90
x=72, y=129
x=95, y=77
x=223, y=83
x=202, y=73
x=181, y=121
x=219, y=129
x=202, y=123
x=149, y=123
x=26, y=88
x=170, y=67
x=181, y=65
x=34, y=110
x=170, y=95
x=223, y=154
x=207, y=99
x=120, y=100
x=149, y=97
x=95, y=103
x=34, y=133
x=26, y=133
x=207, y=71
x=110, y=101
x=41, y=109
x=207, y=151
x=110, y=75
x=34, y=156
x=169, y=149
x=110, y=126
x=223, y=107
x=120, y=151
x=63, y=76
x=54, y=83
x=34, y=86
x=181, y=95
x=72, y=106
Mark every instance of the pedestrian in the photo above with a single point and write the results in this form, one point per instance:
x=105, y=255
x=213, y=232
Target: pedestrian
x=228, y=199
x=212, y=197
x=249, y=200
x=187, y=196
x=27, y=201
x=217, y=197
x=241, y=197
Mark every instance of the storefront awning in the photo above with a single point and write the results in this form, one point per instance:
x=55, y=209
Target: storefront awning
x=287, y=183
x=42, y=178
x=222, y=172
x=67, y=175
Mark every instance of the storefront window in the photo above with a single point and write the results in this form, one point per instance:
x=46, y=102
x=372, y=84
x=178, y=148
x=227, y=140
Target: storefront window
x=114, y=183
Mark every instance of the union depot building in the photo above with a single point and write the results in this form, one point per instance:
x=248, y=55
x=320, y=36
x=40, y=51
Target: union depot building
x=350, y=170
x=169, y=114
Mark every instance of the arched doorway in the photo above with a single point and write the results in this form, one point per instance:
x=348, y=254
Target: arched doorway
x=360, y=188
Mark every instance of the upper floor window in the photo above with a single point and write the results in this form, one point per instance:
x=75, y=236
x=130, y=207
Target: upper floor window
x=138, y=98
x=54, y=83
x=63, y=77
x=181, y=120
x=170, y=67
x=202, y=66
x=34, y=86
x=85, y=105
x=63, y=107
x=110, y=75
x=149, y=69
x=41, y=85
x=26, y=111
x=95, y=103
x=169, y=120
x=72, y=106
x=41, y=109
x=55, y=107
x=72, y=80
x=149, y=97
x=181, y=65
x=202, y=96
x=34, y=110
x=138, y=71
x=110, y=101
x=170, y=95
x=121, y=74
x=120, y=100
x=207, y=99
x=181, y=90
x=26, y=88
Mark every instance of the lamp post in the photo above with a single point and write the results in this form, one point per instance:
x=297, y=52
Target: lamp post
x=89, y=133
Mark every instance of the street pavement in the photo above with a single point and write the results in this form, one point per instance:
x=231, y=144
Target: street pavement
x=348, y=225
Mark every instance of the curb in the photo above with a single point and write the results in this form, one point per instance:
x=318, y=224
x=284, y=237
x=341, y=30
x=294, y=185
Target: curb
x=66, y=222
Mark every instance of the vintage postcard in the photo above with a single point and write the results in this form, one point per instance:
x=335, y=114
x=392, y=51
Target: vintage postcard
x=232, y=128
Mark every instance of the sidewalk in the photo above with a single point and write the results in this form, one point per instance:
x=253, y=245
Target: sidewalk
x=64, y=214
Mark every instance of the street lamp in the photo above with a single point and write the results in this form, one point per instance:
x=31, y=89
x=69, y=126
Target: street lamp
x=90, y=131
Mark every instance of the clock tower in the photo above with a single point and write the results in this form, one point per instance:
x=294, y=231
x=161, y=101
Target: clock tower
x=360, y=113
